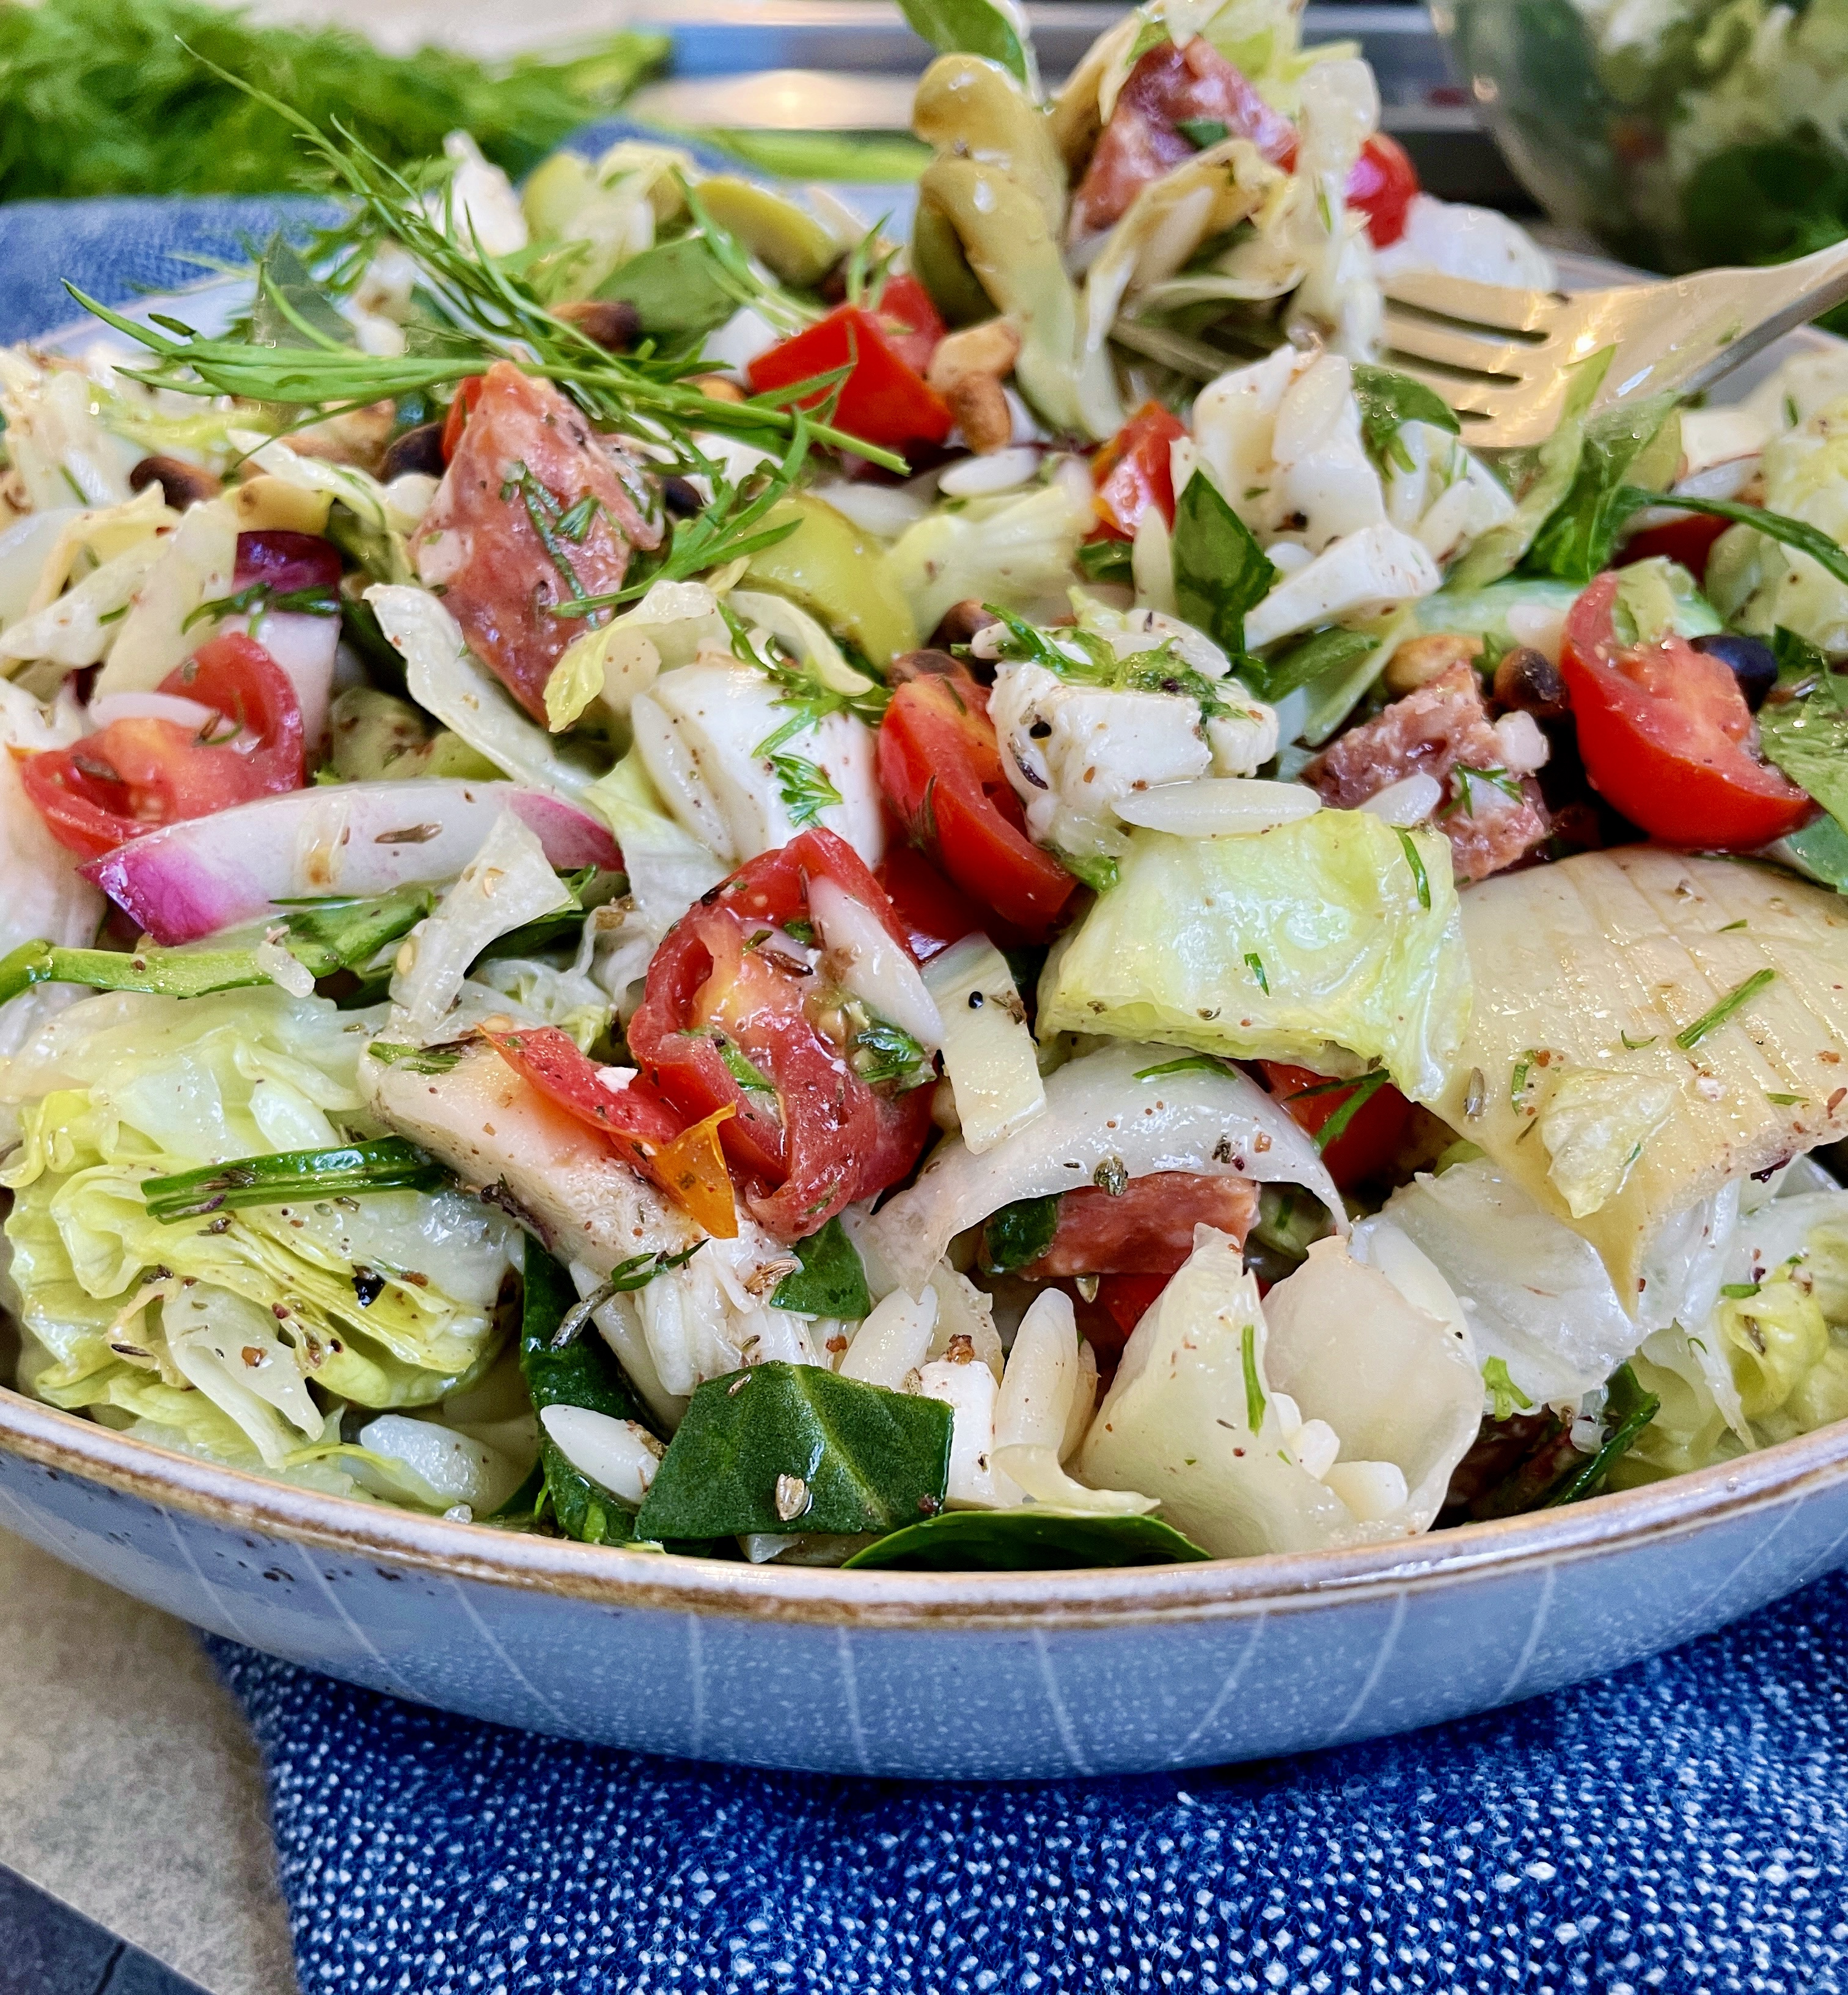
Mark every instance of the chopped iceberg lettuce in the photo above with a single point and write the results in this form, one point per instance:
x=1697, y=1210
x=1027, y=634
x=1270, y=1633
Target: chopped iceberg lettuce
x=1362, y=956
x=388, y=1300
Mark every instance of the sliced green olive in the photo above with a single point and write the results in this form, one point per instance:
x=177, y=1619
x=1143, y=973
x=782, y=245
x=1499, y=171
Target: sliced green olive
x=554, y=193
x=939, y=265
x=833, y=570
x=797, y=246
x=378, y=737
x=973, y=109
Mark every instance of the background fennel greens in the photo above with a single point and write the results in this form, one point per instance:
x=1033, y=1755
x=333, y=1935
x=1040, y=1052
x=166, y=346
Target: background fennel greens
x=99, y=97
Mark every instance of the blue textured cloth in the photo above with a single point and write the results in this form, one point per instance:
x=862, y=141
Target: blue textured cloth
x=1682, y=1826
x=118, y=250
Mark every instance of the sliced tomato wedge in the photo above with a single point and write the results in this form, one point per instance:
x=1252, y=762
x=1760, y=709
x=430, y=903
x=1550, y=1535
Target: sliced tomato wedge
x=913, y=326
x=137, y=775
x=940, y=771
x=640, y=1125
x=468, y=392
x=1133, y=471
x=933, y=913
x=884, y=398
x=1381, y=185
x=1146, y=1229
x=727, y=1023
x=1664, y=732
x=1365, y=1147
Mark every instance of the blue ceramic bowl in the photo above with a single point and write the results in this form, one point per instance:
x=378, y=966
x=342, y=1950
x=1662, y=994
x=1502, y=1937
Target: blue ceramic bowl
x=925, y=1675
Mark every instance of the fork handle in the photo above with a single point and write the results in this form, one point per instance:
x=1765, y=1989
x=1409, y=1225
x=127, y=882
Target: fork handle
x=1795, y=294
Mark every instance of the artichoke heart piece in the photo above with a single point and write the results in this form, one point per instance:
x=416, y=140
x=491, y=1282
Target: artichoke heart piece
x=972, y=108
x=1659, y=1025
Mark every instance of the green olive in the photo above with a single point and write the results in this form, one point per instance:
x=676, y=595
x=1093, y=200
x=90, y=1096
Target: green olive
x=833, y=570
x=973, y=109
x=939, y=265
x=797, y=246
x=1015, y=255
x=379, y=737
x=554, y=193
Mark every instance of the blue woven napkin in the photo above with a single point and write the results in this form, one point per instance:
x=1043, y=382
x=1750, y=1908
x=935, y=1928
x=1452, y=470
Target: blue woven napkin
x=118, y=250
x=1681, y=1826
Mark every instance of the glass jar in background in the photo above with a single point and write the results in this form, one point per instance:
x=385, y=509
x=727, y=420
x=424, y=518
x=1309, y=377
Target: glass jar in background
x=1678, y=133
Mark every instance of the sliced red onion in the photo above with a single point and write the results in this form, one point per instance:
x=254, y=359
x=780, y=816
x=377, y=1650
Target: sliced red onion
x=190, y=880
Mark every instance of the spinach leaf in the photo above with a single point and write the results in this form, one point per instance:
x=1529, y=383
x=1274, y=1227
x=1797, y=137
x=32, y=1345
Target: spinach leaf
x=1325, y=653
x=1220, y=571
x=583, y=1374
x=676, y=286
x=1107, y=559
x=971, y=27
x=1204, y=133
x=1806, y=734
x=1019, y=1233
x=1819, y=851
x=1389, y=400
x=1028, y=1540
x=1539, y=477
x=1638, y=444
x=831, y=1281
x=783, y=1447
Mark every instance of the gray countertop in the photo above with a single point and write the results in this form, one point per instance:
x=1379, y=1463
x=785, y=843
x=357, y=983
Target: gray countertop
x=129, y=1784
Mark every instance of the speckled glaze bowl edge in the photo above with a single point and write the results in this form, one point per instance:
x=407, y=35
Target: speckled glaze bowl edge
x=66, y=1443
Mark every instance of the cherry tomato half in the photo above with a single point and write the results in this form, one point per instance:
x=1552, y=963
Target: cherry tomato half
x=1381, y=186
x=940, y=771
x=727, y=1023
x=1133, y=471
x=138, y=773
x=1665, y=733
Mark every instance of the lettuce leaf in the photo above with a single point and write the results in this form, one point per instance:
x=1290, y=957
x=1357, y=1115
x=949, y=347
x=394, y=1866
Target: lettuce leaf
x=1362, y=965
x=387, y=1301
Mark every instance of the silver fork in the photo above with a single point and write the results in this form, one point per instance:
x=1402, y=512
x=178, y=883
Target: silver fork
x=1497, y=355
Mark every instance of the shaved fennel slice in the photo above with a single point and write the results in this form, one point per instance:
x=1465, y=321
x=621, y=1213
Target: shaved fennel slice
x=447, y=680
x=507, y=883
x=1652, y=965
x=1102, y=1120
x=988, y=1050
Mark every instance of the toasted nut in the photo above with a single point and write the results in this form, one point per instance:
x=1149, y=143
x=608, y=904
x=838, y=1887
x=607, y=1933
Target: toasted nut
x=1420, y=659
x=960, y=623
x=612, y=324
x=968, y=369
x=421, y=449
x=716, y=388
x=1527, y=681
x=181, y=484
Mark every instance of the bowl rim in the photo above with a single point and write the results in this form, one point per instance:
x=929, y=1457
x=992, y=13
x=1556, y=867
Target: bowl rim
x=613, y=1577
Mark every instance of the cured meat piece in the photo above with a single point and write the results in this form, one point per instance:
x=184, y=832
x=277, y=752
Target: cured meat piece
x=1491, y=810
x=534, y=509
x=1169, y=86
x=1146, y=1229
